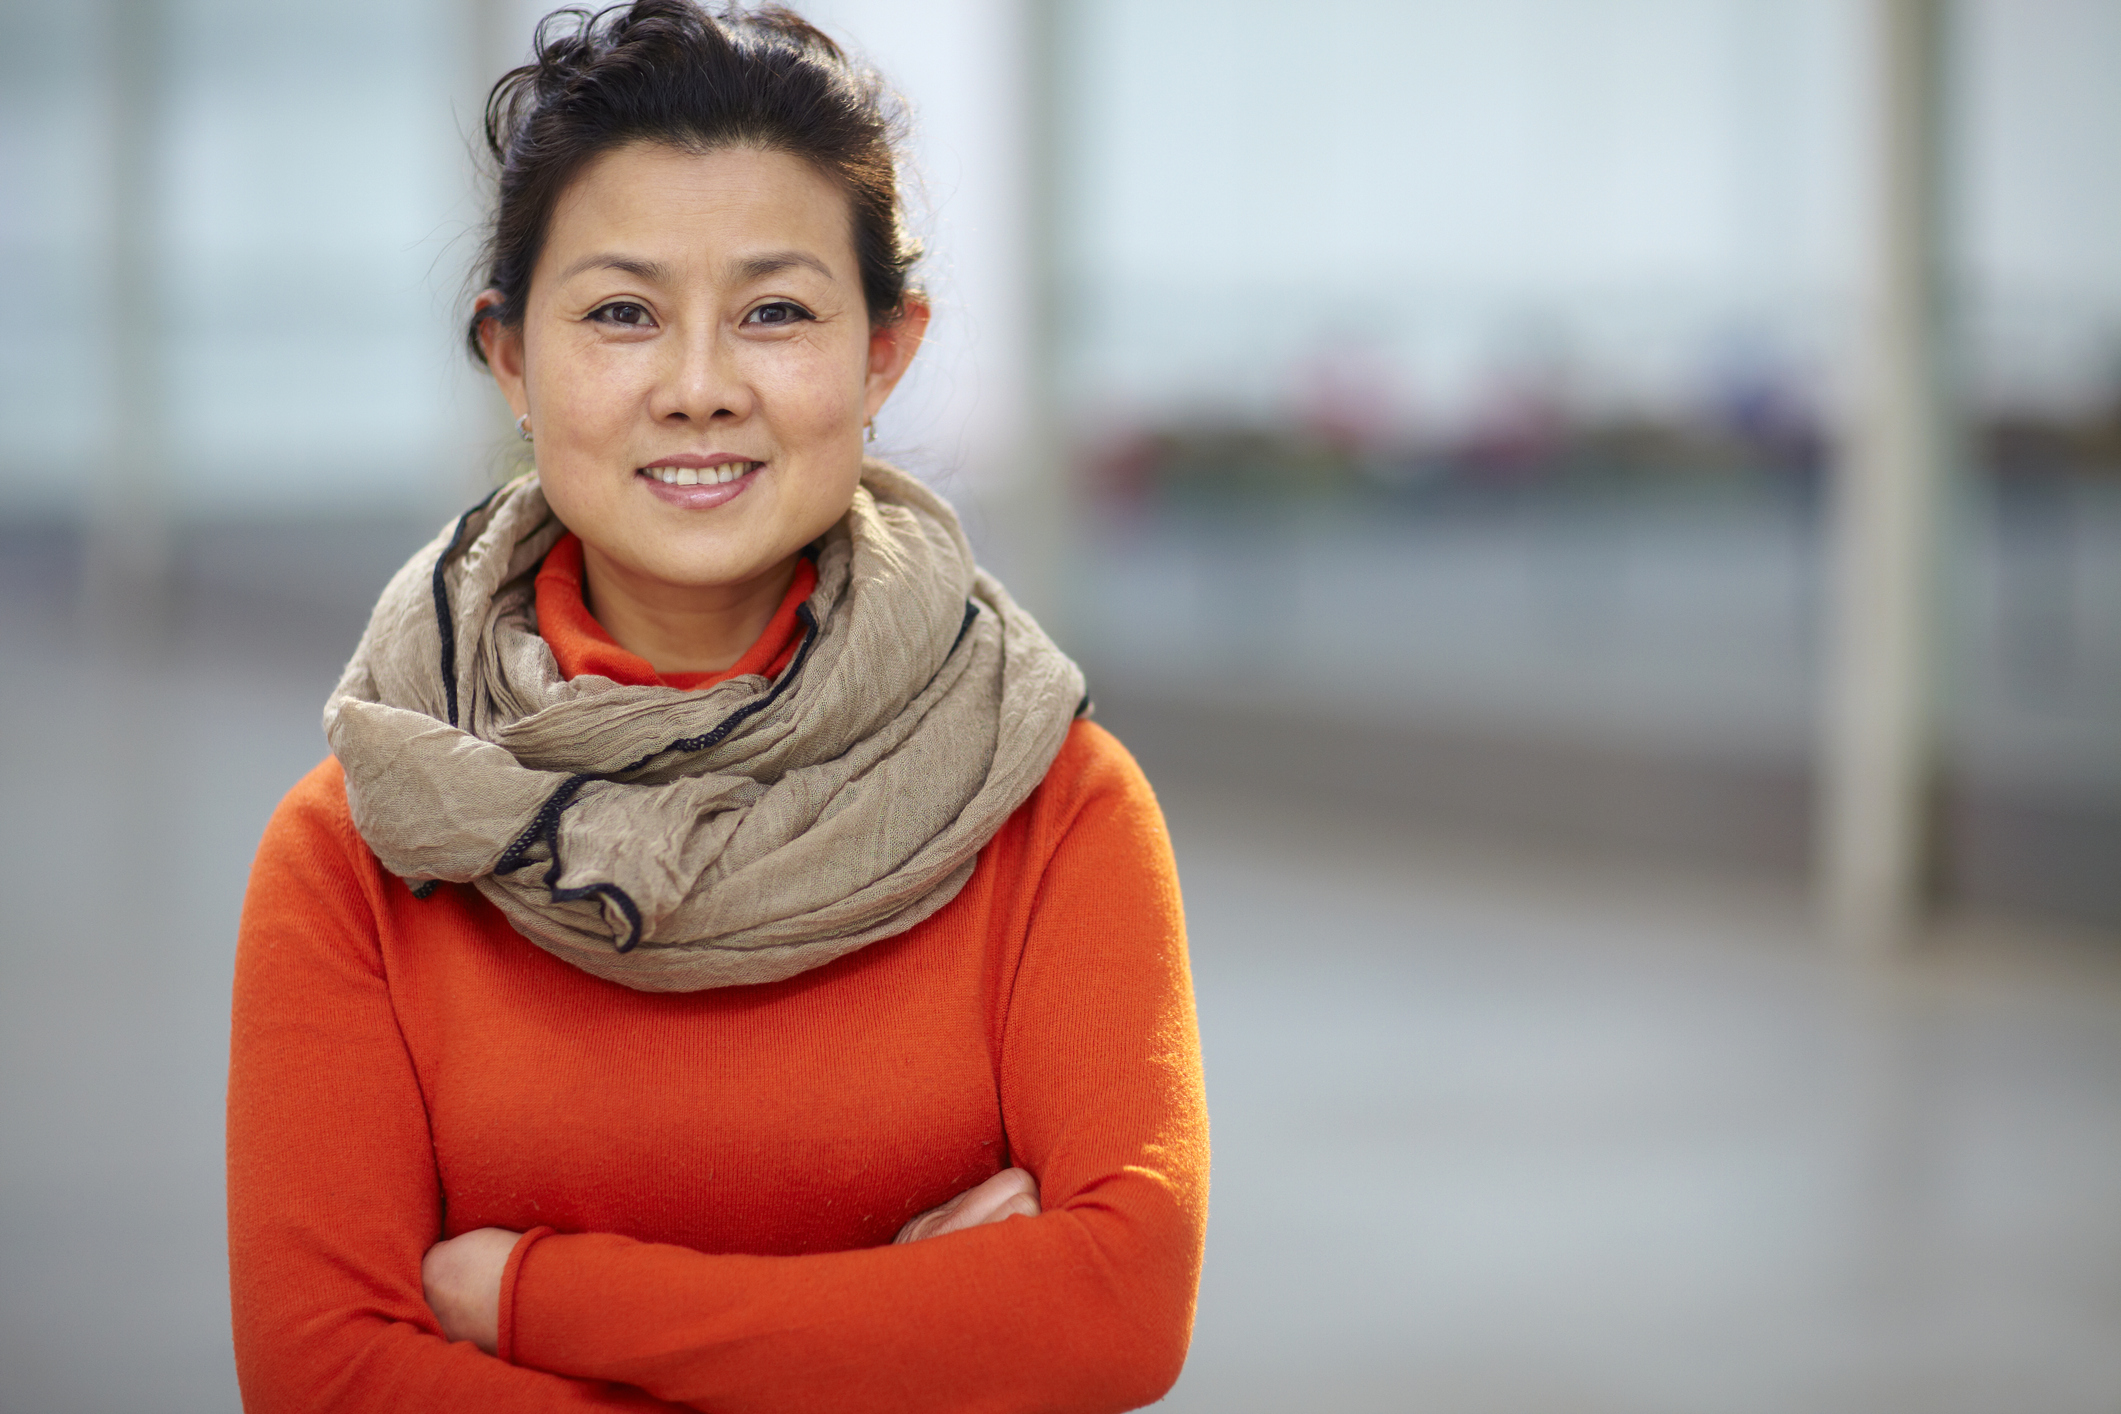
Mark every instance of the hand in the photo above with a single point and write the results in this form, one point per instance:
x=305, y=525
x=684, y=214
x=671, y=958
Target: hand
x=462, y=1280
x=1009, y=1194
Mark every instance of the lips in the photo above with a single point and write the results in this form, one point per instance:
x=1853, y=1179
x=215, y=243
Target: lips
x=700, y=488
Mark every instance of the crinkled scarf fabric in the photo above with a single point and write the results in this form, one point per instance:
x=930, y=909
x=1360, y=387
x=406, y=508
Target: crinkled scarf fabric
x=674, y=841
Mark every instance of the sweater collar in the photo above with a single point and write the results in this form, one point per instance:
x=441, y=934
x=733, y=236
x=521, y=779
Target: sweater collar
x=582, y=647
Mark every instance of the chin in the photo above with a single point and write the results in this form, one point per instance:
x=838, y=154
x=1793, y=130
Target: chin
x=709, y=569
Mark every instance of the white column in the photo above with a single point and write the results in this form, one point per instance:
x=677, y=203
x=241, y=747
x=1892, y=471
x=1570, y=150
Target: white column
x=1044, y=513
x=1877, y=799
x=485, y=448
x=975, y=415
x=127, y=564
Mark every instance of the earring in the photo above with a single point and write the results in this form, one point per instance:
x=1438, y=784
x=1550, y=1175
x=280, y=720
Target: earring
x=869, y=430
x=523, y=427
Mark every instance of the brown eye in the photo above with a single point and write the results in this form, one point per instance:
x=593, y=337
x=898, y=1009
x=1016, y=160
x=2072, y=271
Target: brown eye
x=778, y=313
x=623, y=312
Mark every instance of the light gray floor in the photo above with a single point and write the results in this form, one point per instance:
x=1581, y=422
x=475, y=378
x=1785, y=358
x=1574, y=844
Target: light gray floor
x=1540, y=1135
x=1492, y=1133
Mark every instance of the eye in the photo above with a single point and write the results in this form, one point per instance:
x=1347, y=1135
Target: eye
x=625, y=313
x=777, y=314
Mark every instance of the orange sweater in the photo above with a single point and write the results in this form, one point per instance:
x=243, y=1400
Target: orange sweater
x=708, y=1181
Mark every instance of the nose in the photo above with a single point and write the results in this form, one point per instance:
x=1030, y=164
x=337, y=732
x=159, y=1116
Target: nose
x=702, y=381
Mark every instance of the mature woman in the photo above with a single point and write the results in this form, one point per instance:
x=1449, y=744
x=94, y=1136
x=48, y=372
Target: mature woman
x=714, y=878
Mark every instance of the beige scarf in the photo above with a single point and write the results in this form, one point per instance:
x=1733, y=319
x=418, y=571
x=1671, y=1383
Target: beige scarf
x=673, y=841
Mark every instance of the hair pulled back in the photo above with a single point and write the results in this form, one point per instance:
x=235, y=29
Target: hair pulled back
x=669, y=71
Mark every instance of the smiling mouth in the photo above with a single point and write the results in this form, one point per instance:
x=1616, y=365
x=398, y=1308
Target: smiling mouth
x=700, y=476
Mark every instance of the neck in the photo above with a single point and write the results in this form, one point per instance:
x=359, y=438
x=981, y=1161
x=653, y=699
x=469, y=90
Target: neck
x=682, y=628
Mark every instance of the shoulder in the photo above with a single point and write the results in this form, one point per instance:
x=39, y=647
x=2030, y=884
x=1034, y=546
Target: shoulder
x=1093, y=769
x=311, y=857
x=313, y=812
x=1094, y=794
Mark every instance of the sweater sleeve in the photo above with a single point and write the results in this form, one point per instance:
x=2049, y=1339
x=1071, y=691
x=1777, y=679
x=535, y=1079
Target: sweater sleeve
x=1088, y=1306
x=333, y=1195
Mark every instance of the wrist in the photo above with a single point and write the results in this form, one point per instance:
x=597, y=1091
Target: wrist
x=505, y=1307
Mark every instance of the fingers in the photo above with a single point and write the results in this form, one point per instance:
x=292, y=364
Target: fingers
x=1012, y=1193
x=1017, y=1206
x=1002, y=1196
x=928, y=1224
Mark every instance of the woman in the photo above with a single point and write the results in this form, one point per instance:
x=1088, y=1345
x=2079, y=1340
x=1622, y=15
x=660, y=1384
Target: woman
x=713, y=878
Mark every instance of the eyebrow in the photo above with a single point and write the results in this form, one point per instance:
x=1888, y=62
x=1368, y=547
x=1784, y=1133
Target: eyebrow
x=756, y=268
x=759, y=267
x=651, y=270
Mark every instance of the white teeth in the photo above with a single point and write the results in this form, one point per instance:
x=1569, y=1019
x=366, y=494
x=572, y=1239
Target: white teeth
x=702, y=476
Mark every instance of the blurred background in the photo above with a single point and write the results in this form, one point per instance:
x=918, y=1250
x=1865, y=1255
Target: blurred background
x=1601, y=518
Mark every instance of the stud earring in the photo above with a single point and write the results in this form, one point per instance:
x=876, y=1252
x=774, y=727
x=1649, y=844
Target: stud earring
x=523, y=427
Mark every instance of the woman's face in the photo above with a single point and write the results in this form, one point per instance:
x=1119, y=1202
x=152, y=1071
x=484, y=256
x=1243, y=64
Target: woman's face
x=696, y=361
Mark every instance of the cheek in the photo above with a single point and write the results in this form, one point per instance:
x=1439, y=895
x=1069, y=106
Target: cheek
x=589, y=389
x=581, y=400
x=814, y=392
x=822, y=415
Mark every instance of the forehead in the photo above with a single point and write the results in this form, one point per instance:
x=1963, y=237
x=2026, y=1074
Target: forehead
x=696, y=210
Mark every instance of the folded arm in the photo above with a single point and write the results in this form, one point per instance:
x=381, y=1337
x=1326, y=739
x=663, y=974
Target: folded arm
x=1087, y=1306
x=335, y=1199
x=463, y=1276
x=333, y=1194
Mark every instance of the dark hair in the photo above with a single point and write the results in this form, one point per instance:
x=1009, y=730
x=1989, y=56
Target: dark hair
x=669, y=71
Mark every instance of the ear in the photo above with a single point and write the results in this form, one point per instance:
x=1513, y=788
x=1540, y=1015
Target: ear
x=503, y=347
x=891, y=351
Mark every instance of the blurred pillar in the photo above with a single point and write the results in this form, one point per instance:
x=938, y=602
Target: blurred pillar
x=1047, y=512
x=487, y=449
x=976, y=412
x=1880, y=760
x=128, y=561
